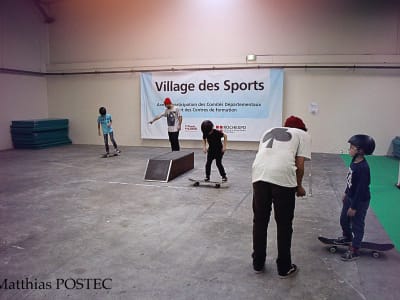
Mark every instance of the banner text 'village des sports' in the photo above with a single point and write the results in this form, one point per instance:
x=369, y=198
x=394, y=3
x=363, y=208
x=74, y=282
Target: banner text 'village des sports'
x=241, y=103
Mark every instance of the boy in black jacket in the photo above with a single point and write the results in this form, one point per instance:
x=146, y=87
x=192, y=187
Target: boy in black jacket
x=216, y=149
x=357, y=195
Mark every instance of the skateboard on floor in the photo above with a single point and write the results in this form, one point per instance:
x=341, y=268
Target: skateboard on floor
x=198, y=182
x=374, y=248
x=109, y=155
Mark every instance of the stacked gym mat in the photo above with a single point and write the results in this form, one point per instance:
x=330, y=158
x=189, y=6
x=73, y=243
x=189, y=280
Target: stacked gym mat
x=41, y=133
x=396, y=146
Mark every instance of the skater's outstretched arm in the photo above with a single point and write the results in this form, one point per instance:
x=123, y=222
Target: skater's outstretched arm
x=157, y=118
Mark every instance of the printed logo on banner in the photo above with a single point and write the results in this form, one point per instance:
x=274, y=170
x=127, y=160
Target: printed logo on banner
x=190, y=127
x=233, y=128
x=219, y=127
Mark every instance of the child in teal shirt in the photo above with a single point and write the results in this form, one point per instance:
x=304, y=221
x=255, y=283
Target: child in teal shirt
x=105, y=121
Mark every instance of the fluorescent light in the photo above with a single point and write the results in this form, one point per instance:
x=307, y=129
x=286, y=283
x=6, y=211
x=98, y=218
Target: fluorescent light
x=251, y=57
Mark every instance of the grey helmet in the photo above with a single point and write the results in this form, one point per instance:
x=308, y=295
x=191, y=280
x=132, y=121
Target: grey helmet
x=363, y=142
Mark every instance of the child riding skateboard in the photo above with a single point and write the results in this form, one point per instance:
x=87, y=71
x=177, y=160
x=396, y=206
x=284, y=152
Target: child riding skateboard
x=105, y=121
x=215, y=149
x=357, y=196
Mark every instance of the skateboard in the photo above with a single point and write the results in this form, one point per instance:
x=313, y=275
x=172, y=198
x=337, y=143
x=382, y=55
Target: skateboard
x=375, y=248
x=109, y=155
x=198, y=182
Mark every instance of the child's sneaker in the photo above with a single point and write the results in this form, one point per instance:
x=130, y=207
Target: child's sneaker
x=259, y=270
x=224, y=179
x=343, y=240
x=207, y=179
x=257, y=266
x=292, y=271
x=350, y=255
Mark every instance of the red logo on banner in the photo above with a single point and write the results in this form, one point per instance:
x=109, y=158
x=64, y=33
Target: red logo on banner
x=219, y=127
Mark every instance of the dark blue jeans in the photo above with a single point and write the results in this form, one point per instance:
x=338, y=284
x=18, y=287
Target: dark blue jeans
x=353, y=227
x=283, y=198
x=112, y=141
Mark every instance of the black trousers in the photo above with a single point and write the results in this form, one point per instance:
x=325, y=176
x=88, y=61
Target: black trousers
x=217, y=155
x=353, y=227
x=174, y=140
x=112, y=141
x=283, y=199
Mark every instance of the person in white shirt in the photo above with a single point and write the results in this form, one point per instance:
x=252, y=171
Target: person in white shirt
x=277, y=175
x=174, y=121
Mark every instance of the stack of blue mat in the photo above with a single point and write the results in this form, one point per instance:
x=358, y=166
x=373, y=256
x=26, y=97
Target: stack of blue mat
x=42, y=133
x=396, y=146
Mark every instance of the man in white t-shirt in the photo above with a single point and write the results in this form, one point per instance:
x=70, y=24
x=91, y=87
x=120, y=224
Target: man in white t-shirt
x=174, y=121
x=277, y=175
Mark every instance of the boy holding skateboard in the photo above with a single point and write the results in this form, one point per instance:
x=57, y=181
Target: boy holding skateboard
x=357, y=196
x=215, y=150
x=105, y=121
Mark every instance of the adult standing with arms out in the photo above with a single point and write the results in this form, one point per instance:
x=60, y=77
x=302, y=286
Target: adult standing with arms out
x=174, y=121
x=277, y=175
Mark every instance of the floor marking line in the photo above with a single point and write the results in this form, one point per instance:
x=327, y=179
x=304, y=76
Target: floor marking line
x=142, y=184
x=345, y=281
x=240, y=203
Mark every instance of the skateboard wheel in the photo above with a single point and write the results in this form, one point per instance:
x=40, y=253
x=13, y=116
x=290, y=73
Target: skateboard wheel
x=333, y=249
x=217, y=185
x=375, y=254
x=196, y=183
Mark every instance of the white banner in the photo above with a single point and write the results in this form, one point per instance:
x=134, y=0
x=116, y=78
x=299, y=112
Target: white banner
x=241, y=103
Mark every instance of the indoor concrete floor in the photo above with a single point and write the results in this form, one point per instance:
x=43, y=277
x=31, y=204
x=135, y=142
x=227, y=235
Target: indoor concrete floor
x=67, y=214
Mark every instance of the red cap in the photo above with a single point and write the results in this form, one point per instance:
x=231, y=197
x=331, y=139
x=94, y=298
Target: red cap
x=167, y=101
x=295, y=122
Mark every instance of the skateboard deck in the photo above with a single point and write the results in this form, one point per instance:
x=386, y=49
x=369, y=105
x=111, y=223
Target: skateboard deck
x=198, y=182
x=109, y=155
x=375, y=248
